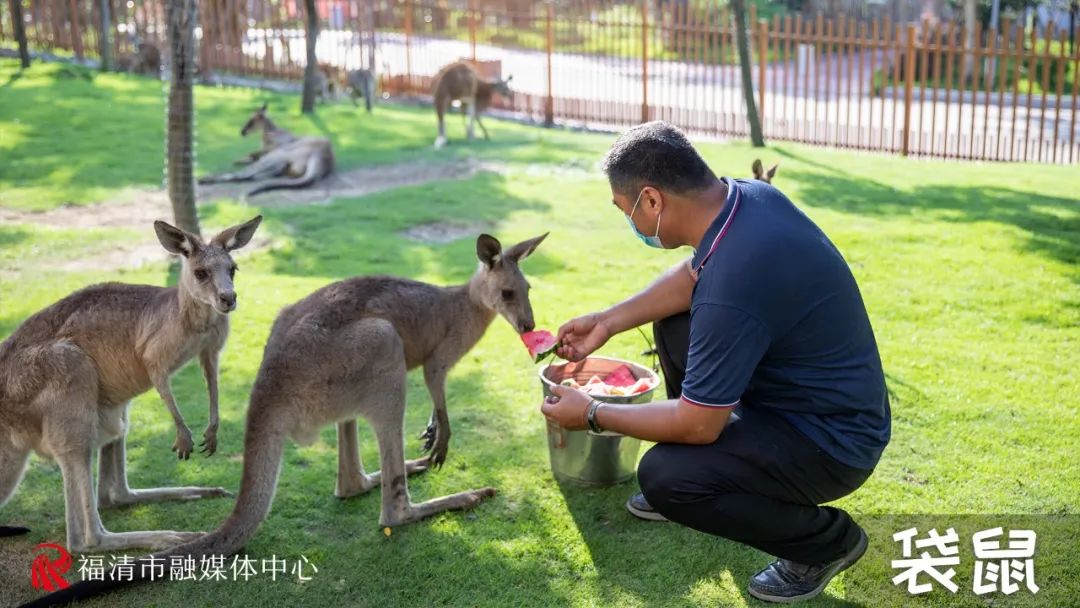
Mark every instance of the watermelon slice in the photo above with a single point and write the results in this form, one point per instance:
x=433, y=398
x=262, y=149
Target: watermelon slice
x=540, y=344
x=620, y=376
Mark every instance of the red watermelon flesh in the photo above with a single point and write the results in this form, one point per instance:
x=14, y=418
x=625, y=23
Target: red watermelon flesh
x=621, y=376
x=540, y=344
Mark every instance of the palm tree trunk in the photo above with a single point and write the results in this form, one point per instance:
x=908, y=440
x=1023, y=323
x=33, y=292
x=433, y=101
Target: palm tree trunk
x=180, y=153
x=18, y=25
x=307, y=100
x=105, y=39
x=742, y=41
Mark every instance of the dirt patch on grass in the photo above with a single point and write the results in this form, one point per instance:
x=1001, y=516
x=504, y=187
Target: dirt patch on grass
x=439, y=233
x=138, y=209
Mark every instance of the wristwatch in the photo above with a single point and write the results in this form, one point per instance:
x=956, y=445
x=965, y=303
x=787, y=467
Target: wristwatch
x=590, y=416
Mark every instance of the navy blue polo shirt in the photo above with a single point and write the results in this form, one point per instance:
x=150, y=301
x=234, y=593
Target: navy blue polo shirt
x=777, y=322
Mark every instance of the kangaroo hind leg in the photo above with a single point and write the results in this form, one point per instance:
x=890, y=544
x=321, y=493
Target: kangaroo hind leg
x=384, y=408
x=12, y=465
x=351, y=479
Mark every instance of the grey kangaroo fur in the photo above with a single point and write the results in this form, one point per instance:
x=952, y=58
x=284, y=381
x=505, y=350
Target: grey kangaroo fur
x=361, y=83
x=303, y=160
x=69, y=372
x=343, y=352
x=460, y=81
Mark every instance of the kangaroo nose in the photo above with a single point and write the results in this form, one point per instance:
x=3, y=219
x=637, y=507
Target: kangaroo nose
x=527, y=326
x=228, y=299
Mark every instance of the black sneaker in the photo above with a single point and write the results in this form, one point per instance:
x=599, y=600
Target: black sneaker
x=785, y=581
x=639, y=507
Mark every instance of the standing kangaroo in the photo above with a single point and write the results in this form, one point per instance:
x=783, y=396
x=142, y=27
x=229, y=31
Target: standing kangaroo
x=361, y=83
x=69, y=372
x=303, y=160
x=460, y=81
x=343, y=352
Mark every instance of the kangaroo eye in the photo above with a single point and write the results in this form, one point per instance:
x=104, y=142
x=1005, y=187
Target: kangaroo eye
x=507, y=295
x=201, y=274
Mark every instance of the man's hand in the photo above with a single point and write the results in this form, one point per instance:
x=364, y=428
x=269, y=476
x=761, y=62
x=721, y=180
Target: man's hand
x=567, y=408
x=580, y=337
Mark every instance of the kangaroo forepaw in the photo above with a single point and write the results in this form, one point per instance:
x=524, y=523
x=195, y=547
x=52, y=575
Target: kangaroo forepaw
x=209, y=442
x=429, y=436
x=183, y=446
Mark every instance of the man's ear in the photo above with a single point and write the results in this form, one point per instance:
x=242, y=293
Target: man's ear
x=175, y=240
x=488, y=249
x=525, y=248
x=237, y=236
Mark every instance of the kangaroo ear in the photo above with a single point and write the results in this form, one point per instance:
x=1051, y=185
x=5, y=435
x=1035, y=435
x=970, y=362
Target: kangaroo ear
x=772, y=171
x=488, y=249
x=509, y=78
x=757, y=168
x=525, y=248
x=237, y=236
x=263, y=108
x=175, y=240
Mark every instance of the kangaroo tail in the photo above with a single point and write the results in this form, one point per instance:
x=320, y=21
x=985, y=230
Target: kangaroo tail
x=312, y=172
x=262, y=464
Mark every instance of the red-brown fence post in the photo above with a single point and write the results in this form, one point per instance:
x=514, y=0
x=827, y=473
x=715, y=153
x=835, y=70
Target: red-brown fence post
x=909, y=76
x=408, y=42
x=549, y=102
x=473, y=9
x=763, y=52
x=76, y=33
x=644, y=60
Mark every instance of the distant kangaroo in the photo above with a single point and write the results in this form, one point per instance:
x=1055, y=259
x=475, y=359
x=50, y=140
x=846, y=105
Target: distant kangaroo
x=759, y=171
x=145, y=60
x=273, y=136
x=304, y=160
x=460, y=81
x=343, y=352
x=69, y=372
x=361, y=83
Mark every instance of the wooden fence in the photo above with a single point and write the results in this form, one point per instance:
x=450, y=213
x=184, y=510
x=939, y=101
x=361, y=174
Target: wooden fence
x=922, y=89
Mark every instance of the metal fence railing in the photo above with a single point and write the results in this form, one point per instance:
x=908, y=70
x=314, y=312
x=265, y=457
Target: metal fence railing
x=924, y=89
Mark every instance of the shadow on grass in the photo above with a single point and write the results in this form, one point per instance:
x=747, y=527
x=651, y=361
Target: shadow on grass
x=1051, y=225
x=648, y=559
x=352, y=237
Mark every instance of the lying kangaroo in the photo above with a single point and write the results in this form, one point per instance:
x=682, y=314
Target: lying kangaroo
x=460, y=81
x=273, y=136
x=361, y=83
x=145, y=60
x=344, y=351
x=68, y=373
x=304, y=160
x=759, y=171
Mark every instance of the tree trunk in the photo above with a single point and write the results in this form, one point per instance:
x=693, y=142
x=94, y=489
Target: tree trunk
x=19, y=29
x=742, y=41
x=105, y=37
x=969, y=39
x=307, y=100
x=180, y=152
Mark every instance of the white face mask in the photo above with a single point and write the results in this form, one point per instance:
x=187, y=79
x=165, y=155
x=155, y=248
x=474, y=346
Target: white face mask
x=651, y=241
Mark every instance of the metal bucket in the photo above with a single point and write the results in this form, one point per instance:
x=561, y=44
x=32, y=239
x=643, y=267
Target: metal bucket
x=583, y=456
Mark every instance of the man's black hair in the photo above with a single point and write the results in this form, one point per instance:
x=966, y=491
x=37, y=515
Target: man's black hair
x=656, y=154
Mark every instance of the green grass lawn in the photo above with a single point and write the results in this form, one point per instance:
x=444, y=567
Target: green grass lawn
x=971, y=274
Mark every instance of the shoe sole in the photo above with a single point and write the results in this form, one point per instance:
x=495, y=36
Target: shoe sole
x=849, y=562
x=646, y=515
